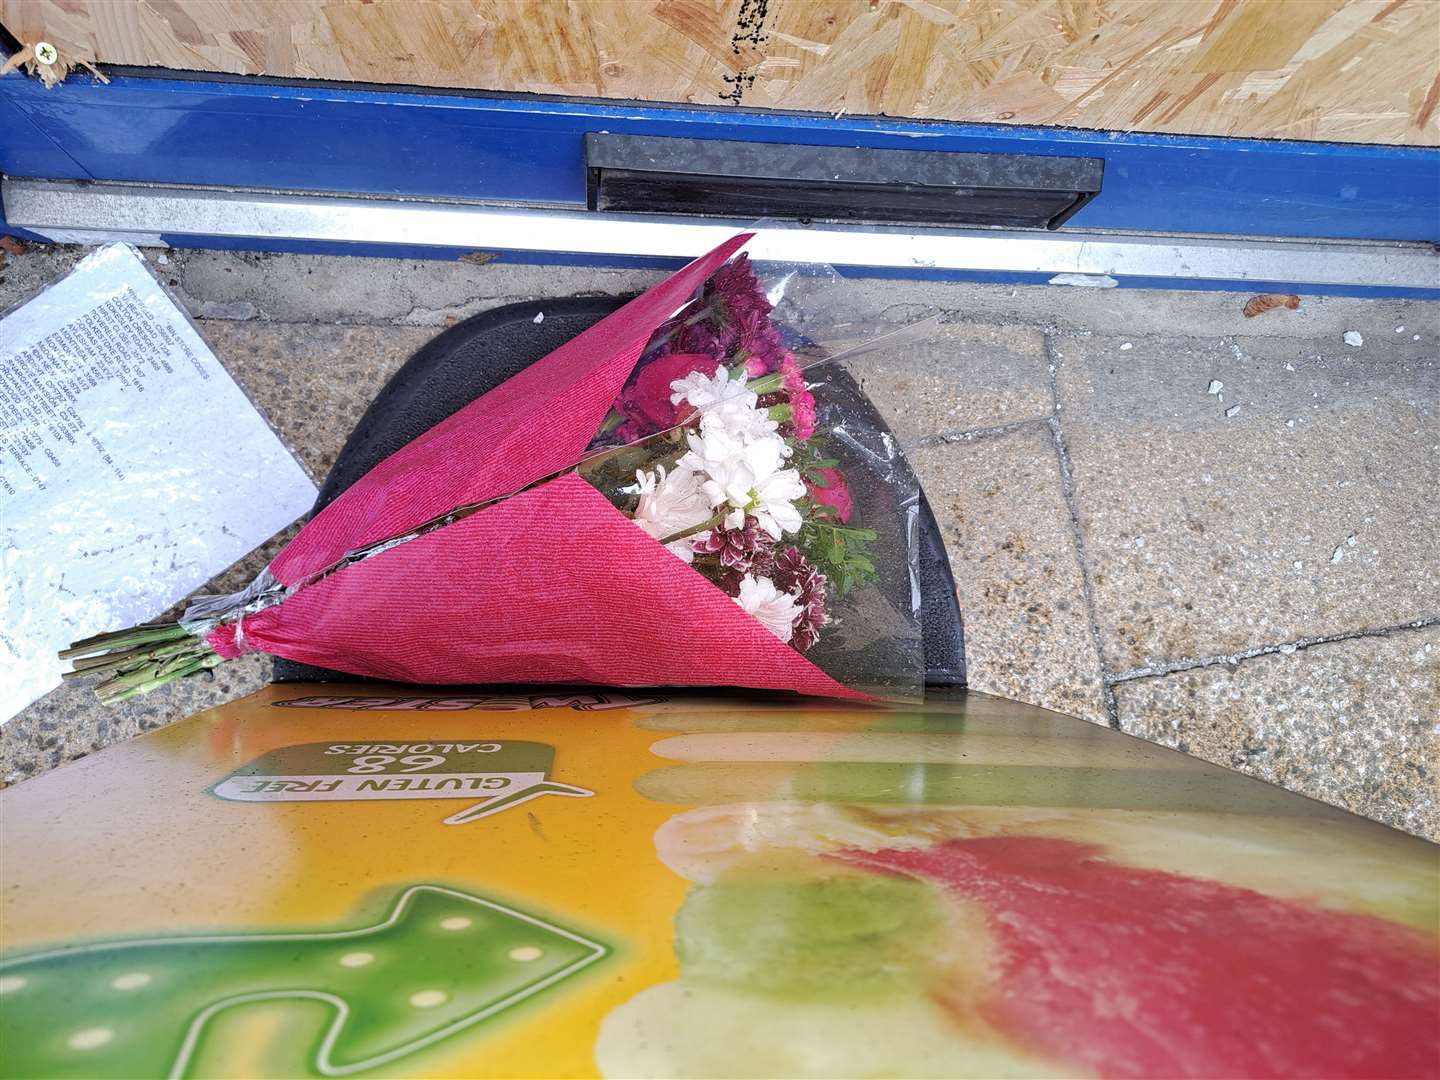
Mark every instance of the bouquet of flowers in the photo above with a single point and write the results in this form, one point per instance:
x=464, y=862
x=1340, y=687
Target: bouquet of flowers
x=691, y=492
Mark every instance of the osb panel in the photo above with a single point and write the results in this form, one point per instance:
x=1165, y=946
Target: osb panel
x=1347, y=70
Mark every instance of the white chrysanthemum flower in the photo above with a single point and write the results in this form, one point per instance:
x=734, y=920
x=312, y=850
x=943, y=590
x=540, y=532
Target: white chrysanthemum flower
x=705, y=392
x=773, y=502
x=747, y=477
x=775, y=610
x=740, y=420
x=733, y=466
x=725, y=405
x=671, y=503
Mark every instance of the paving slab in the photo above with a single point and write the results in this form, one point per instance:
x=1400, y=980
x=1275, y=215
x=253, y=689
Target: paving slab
x=1011, y=546
x=1240, y=492
x=1353, y=723
x=958, y=377
x=313, y=383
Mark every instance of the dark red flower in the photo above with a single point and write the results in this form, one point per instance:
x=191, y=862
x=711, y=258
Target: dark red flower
x=646, y=402
x=836, y=493
x=746, y=550
x=759, y=345
x=735, y=286
x=795, y=575
x=705, y=337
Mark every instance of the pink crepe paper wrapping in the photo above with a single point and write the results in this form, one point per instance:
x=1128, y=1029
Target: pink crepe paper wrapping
x=551, y=585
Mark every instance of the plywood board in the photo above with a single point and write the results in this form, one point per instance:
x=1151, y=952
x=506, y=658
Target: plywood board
x=1342, y=70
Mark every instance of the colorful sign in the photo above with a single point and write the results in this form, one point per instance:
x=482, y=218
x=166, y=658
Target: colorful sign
x=752, y=888
x=438, y=963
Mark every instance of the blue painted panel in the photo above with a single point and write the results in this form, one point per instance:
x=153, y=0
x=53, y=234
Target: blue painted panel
x=316, y=137
x=25, y=149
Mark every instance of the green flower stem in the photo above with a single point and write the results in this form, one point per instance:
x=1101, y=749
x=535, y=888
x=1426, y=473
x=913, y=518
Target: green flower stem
x=767, y=385
x=112, y=691
x=704, y=526
x=134, y=661
x=136, y=635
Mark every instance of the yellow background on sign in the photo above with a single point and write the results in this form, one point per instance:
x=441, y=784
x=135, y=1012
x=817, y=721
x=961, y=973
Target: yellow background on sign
x=129, y=842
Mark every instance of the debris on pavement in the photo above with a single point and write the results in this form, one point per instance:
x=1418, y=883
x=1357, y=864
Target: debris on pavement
x=1258, y=305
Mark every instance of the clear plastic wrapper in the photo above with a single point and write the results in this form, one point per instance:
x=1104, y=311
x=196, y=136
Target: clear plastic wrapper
x=736, y=438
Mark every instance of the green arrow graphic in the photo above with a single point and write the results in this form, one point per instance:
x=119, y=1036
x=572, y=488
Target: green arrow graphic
x=440, y=962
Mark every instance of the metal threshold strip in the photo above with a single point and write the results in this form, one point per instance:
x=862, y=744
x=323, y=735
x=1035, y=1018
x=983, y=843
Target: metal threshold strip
x=71, y=211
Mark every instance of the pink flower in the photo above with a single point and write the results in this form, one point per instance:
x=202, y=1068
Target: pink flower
x=802, y=416
x=794, y=574
x=792, y=379
x=801, y=424
x=646, y=402
x=836, y=493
